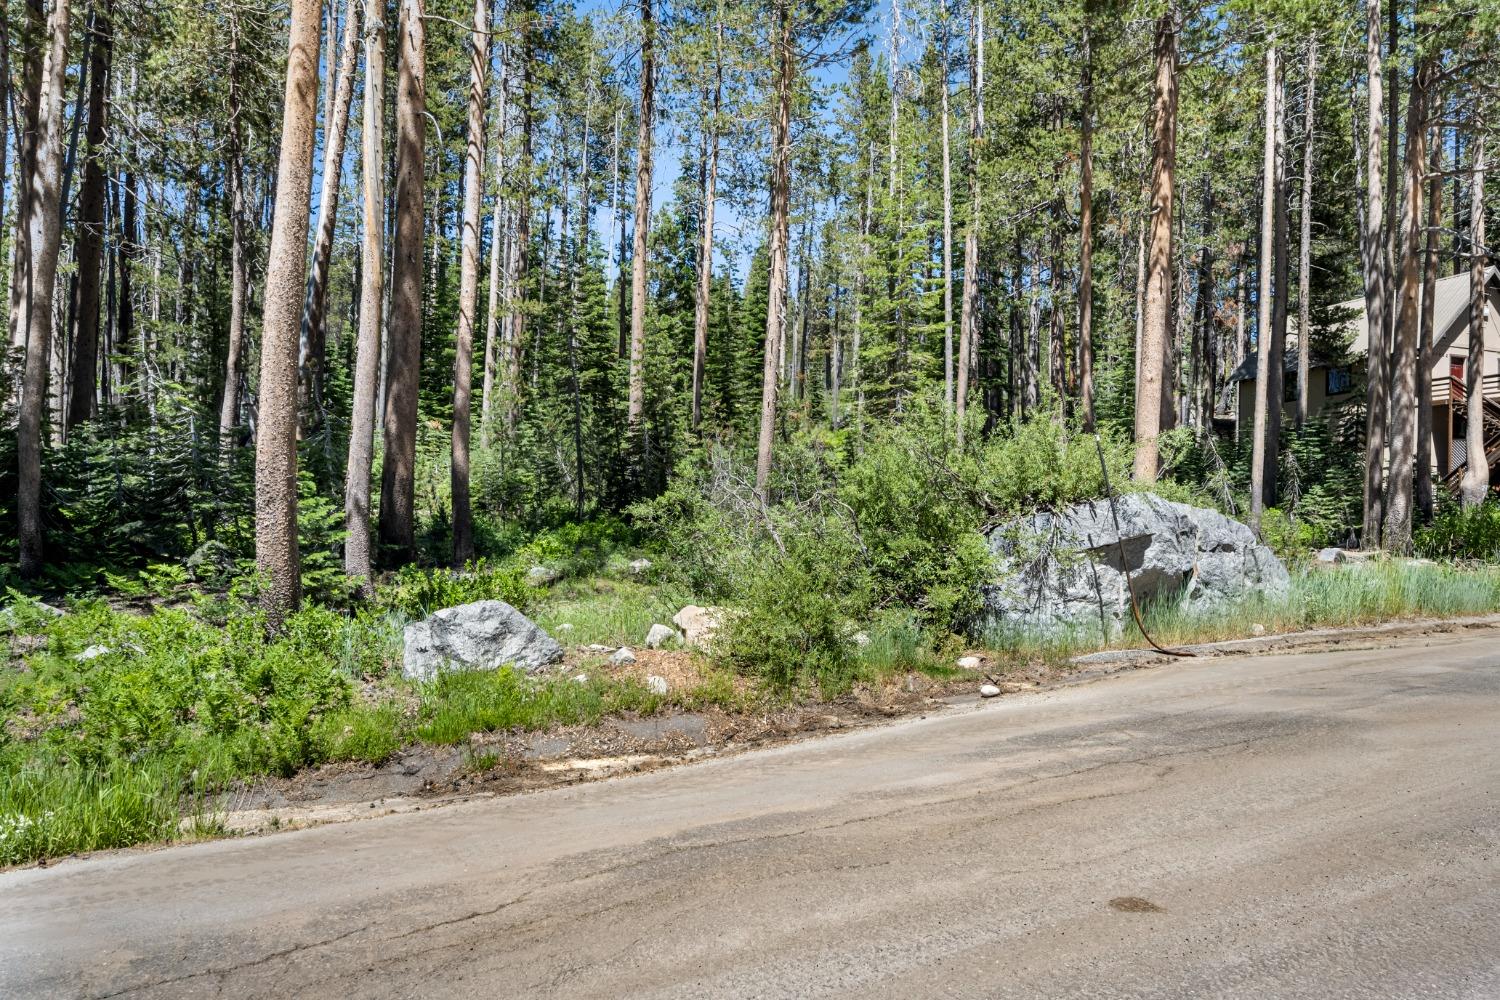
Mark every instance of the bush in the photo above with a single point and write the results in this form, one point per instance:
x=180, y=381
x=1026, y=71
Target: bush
x=1459, y=532
x=859, y=527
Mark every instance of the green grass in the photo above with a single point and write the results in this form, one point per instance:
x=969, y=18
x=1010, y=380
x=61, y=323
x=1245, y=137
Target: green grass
x=481, y=701
x=1346, y=596
x=607, y=612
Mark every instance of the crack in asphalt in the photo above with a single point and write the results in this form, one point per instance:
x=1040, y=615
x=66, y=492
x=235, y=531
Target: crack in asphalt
x=477, y=914
x=237, y=967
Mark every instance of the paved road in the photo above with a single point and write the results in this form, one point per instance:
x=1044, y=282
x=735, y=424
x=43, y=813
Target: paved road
x=1321, y=825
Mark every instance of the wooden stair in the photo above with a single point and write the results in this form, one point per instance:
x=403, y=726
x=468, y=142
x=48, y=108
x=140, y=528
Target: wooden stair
x=1454, y=391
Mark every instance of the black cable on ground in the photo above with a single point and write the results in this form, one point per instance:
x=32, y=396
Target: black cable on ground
x=1135, y=608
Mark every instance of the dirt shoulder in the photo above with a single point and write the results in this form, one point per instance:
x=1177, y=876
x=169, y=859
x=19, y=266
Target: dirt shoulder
x=490, y=764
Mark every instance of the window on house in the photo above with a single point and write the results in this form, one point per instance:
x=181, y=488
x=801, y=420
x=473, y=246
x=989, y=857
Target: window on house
x=1339, y=381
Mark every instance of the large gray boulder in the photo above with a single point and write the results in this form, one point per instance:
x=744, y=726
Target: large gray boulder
x=479, y=636
x=1064, y=569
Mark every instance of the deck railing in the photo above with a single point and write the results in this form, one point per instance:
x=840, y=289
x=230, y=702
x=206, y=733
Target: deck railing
x=1447, y=388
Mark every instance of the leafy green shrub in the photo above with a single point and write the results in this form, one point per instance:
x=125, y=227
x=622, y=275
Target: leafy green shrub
x=1459, y=532
x=791, y=621
x=417, y=592
x=916, y=527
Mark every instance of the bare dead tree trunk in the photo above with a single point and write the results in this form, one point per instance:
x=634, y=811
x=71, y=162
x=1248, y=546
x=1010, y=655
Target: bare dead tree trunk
x=1372, y=247
x=1397, y=531
x=636, y=408
x=781, y=184
x=313, y=334
x=371, y=302
x=1304, y=251
x=45, y=225
x=1156, y=320
x=89, y=244
x=404, y=354
x=1476, y=482
x=468, y=290
x=1267, y=383
x=276, y=429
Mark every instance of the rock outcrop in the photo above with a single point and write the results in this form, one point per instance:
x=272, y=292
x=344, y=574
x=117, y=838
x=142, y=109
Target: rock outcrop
x=1065, y=569
x=479, y=636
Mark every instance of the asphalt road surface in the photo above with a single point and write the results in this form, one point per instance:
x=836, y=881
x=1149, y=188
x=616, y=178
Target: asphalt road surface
x=1317, y=825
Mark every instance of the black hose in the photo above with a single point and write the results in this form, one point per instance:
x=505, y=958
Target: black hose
x=1135, y=608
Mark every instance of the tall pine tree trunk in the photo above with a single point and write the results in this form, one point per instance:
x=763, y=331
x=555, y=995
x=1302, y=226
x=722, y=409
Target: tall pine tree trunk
x=33, y=42
x=706, y=251
x=371, y=304
x=1396, y=532
x=468, y=289
x=781, y=184
x=636, y=409
x=1372, y=247
x=520, y=247
x=239, y=279
x=1157, y=312
x=1304, y=252
x=1425, y=358
x=1086, y=233
x=404, y=354
x=1476, y=482
x=947, y=221
x=313, y=336
x=968, y=320
x=1269, y=356
x=89, y=244
x=45, y=239
x=498, y=241
x=276, y=431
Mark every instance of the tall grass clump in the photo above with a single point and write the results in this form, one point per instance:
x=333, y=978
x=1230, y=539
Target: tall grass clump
x=1347, y=596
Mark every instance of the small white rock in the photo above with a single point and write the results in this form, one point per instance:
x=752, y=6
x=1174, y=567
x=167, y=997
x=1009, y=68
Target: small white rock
x=969, y=663
x=655, y=684
x=1257, y=629
x=622, y=656
x=540, y=575
x=659, y=635
x=581, y=678
x=988, y=690
x=93, y=652
x=565, y=627
x=594, y=647
x=639, y=566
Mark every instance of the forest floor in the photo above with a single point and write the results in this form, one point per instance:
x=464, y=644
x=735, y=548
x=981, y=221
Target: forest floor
x=424, y=776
